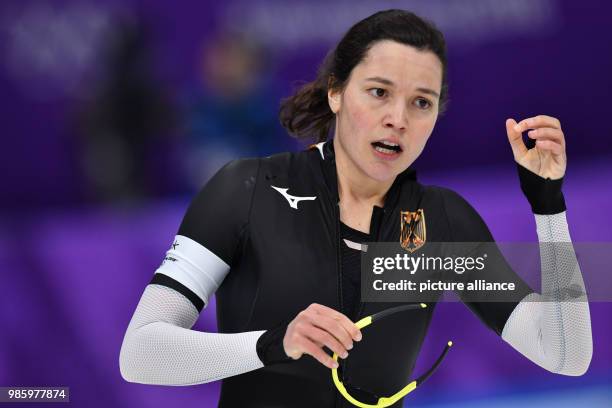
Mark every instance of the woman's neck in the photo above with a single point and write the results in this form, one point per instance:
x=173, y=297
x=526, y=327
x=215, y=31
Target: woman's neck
x=354, y=186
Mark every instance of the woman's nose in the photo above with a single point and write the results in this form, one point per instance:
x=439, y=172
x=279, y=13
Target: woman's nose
x=396, y=117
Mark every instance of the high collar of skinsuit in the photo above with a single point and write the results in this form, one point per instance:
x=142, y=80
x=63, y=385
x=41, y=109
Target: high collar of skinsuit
x=406, y=176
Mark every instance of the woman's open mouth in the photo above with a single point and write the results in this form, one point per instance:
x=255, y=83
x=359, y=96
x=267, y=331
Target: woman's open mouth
x=386, y=150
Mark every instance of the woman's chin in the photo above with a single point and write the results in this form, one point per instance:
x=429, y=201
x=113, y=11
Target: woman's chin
x=382, y=173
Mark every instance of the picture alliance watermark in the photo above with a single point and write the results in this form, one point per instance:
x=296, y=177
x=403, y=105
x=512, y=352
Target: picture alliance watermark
x=429, y=285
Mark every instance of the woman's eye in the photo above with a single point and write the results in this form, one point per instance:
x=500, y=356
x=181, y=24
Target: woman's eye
x=377, y=92
x=426, y=104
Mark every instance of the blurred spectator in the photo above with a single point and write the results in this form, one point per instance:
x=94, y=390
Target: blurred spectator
x=232, y=111
x=124, y=119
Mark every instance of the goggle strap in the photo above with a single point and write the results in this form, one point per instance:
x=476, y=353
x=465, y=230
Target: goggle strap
x=433, y=368
x=386, y=401
x=397, y=309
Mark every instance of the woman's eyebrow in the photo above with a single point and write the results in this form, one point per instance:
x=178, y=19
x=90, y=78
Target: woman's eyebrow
x=388, y=82
x=383, y=81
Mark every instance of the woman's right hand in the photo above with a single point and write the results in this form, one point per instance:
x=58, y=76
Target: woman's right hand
x=318, y=326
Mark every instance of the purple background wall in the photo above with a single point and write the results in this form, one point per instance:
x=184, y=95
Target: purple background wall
x=73, y=268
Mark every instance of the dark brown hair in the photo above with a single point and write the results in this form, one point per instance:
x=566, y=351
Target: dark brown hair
x=307, y=113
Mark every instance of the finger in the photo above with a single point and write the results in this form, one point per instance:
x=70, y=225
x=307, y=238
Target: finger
x=290, y=342
x=293, y=351
x=310, y=348
x=334, y=327
x=516, y=139
x=537, y=122
x=311, y=318
x=549, y=145
x=548, y=134
x=323, y=338
x=348, y=325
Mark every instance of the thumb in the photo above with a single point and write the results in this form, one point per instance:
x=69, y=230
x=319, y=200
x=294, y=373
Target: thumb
x=516, y=140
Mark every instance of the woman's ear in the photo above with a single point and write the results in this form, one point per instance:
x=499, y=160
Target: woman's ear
x=334, y=100
x=333, y=94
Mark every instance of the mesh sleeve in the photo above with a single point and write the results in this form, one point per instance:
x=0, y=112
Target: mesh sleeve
x=553, y=329
x=159, y=346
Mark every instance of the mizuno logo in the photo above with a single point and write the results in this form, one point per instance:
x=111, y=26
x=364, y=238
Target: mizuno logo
x=293, y=200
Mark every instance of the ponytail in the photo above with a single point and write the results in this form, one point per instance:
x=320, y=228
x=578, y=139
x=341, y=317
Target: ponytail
x=306, y=113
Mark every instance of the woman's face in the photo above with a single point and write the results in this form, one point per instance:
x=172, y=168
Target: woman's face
x=392, y=95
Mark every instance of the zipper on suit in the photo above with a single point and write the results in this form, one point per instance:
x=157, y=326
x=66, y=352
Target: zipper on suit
x=375, y=236
x=339, y=268
x=342, y=362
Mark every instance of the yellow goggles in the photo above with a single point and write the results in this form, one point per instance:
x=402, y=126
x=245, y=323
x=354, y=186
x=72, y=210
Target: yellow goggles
x=385, y=401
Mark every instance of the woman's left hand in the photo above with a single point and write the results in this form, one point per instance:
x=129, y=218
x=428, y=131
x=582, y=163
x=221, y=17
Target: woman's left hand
x=547, y=159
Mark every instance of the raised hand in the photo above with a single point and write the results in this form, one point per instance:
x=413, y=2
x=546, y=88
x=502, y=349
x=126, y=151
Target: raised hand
x=547, y=159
